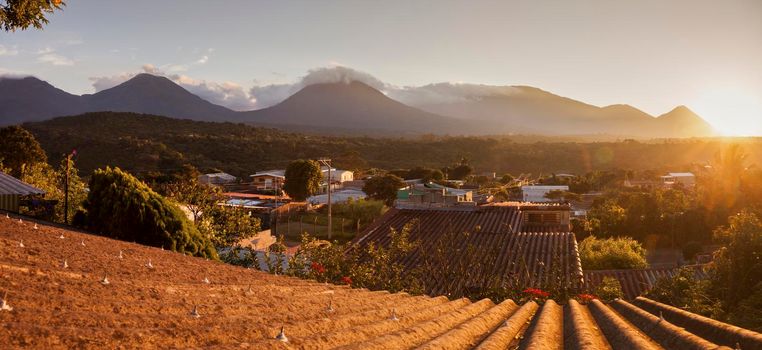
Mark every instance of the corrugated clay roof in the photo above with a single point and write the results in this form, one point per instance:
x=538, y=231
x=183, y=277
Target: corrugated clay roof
x=153, y=308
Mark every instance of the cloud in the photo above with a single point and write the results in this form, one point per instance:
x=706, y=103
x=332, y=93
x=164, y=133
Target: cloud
x=236, y=97
x=8, y=51
x=268, y=95
x=441, y=93
x=228, y=94
x=55, y=59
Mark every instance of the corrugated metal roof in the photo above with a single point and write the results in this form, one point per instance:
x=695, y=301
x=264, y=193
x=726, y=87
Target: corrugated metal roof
x=13, y=186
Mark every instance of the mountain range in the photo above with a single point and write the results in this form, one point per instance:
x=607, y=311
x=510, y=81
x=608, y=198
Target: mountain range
x=354, y=107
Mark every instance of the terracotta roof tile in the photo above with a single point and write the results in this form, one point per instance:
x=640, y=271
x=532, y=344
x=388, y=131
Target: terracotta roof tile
x=240, y=308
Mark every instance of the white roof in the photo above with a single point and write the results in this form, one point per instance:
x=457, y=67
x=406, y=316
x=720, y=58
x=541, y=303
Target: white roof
x=221, y=175
x=564, y=187
x=273, y=173
x=681, y=174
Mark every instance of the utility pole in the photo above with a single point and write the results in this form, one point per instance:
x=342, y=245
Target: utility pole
x=66, y=186
x=327, y=162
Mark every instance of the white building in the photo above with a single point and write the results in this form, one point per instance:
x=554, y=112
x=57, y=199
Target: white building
x=537, y=193
x=686, y=179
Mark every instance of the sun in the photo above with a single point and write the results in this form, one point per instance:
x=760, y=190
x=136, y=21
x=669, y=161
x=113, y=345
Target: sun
x=731, y=111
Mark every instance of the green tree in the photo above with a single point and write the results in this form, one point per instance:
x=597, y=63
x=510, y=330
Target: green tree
x=610, y=216
x=461, y=170
x=611, y=254
x=303, y=179
x=686, y=291
x=120, y=206
x=18, y=148
x=383, y=188
x=738, y=265
x=226, y=226
x=21, y=14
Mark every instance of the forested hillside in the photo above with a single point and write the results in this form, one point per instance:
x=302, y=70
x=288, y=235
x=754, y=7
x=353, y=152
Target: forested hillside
x=145, y=143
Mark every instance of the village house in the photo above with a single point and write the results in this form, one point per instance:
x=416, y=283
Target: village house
x=433, y=195
x=685, y=179
x=268, y=180
x=14, y=193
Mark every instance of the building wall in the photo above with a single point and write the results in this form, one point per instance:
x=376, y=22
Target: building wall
x=267, y=182
x=9, y=202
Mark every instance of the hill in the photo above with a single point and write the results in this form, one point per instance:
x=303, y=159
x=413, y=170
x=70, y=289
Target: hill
x=146, y=93
x=352, y=105
x=46, y=305
x=144, y=143
x=526, y=109
x=31, y=99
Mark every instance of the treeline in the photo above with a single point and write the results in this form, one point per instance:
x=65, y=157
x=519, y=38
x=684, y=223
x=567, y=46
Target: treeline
x=145, y=144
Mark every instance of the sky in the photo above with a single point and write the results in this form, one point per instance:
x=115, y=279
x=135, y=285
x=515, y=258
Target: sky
x=654, y=55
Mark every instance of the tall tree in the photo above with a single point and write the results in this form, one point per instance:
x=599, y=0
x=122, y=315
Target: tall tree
x=120, y=206
x=303, y=178
x=21, y=14
x=383, y=188
x=19, y=148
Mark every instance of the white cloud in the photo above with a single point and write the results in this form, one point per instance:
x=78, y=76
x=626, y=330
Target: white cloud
x=235, y=97
x=55, y=59
x=8, y=51
x=447, y=93
x=268, y=95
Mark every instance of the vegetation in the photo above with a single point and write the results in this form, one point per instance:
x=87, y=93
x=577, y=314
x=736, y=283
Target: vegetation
x=224, y=225
x=120, y=206
x=303, y=179
x=609, y=289
x=383, y=188
x=142, y=144
x=19, y=148
x=611, y=254
x=732, y=292
x=22, y=14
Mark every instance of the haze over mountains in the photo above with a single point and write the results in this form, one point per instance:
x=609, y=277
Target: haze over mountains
x=347, y=105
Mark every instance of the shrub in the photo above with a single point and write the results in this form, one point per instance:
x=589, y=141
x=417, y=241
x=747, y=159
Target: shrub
x=120, y=206
x=612, y=253
x=685, y=291
x=609, y=289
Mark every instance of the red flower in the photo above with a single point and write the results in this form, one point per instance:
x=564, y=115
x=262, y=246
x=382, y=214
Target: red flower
x=346, y=280
x=586, y=298
x=536, y=293
x=318, y=268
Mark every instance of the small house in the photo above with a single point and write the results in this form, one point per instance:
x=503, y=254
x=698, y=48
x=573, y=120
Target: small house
x=14, y=192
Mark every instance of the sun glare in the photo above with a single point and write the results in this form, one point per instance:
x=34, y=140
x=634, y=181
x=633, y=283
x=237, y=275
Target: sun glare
x=731, y=111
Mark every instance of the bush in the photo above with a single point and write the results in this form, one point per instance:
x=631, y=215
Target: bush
x=612, y=253
x=609, y=289
x=120, y=206
x=685, y=291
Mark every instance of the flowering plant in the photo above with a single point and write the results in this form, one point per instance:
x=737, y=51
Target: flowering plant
x=317, y=268
x=536, y=293
x=586, y=298
x=346, y=280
